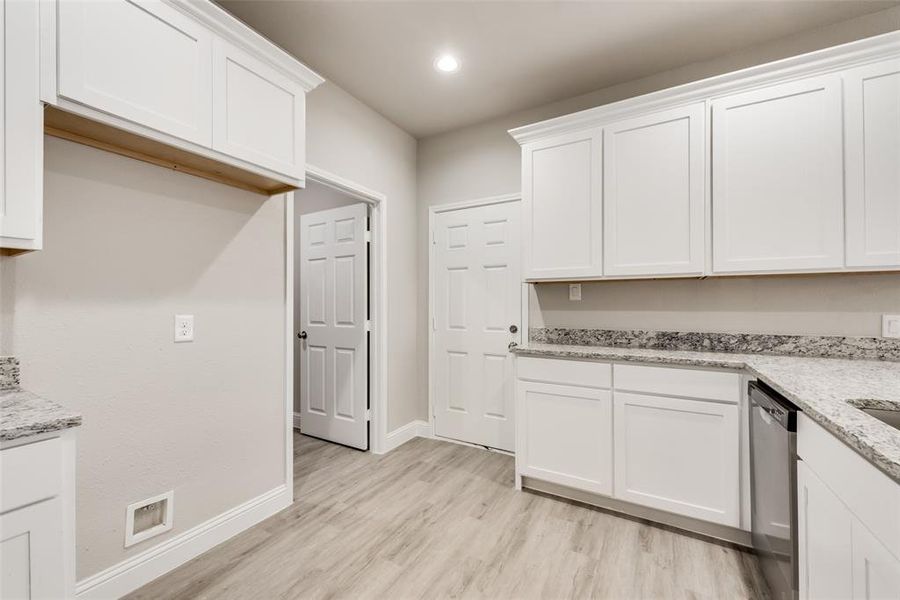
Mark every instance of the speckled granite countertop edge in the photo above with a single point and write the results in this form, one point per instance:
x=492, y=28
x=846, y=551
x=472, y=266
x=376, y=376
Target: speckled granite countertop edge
x=826, y=389
x=24, y=414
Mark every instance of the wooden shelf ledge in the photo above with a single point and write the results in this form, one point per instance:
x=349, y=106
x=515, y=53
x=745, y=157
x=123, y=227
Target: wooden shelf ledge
x=75, y=128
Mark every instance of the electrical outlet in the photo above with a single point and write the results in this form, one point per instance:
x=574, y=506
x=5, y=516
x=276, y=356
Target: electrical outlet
x=890, y=326
x=575, y=292
x=184, y=328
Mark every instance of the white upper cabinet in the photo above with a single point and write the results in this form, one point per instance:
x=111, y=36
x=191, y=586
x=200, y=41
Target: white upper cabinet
x=21, y=133
x=562, y=211
x=777, y=178
x=258, y=113
x=872, y=137
x=654, y=170
x=791, y=167
x=143, y=61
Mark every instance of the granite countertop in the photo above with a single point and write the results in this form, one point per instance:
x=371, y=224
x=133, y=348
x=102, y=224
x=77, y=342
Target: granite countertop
x=828, y=390
x=24, y=414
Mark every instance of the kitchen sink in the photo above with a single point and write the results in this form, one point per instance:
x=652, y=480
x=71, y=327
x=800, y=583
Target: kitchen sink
x=891, y=417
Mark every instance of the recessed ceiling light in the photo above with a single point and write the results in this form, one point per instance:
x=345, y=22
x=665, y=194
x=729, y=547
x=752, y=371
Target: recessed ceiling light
x=446, y=63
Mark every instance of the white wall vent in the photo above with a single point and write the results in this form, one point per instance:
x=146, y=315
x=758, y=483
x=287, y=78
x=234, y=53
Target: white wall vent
x=149, y=517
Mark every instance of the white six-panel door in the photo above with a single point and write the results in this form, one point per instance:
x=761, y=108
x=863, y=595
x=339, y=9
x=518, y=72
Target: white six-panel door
x=333, y=306
x=477, y=297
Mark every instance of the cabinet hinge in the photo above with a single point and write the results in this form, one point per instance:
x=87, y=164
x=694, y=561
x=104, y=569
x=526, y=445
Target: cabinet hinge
x=368, y=325
x=368, y=236
x=368, y=415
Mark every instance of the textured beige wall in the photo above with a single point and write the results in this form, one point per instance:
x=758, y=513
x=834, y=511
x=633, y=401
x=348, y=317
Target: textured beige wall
x=849, y=304
x=349, y=139
x=127, y=246
x=483, y=160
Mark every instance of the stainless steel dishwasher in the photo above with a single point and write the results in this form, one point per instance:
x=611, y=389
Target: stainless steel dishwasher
x=773, y=488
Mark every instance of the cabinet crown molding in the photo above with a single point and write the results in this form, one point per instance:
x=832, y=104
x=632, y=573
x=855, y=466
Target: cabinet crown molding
x=821, y=61
x=243, y=36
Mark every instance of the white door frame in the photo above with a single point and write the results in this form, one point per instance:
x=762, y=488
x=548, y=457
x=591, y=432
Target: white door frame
x=433, y=211
x=378, y=313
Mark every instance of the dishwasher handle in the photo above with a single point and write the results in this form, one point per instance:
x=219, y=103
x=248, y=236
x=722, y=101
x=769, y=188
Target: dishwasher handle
x=779, y=408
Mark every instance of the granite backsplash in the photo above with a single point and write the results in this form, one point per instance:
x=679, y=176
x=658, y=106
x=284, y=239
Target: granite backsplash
x=862, y=348
x=9, y=373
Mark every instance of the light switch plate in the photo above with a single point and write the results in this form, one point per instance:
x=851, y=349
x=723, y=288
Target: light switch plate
x=890, y=326
x=575, y=292
x=184, y=328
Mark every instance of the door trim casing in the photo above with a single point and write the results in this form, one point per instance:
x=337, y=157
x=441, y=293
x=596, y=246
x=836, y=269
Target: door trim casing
x=433, y=211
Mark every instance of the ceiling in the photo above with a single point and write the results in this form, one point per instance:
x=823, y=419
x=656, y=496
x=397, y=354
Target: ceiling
x=515, y=54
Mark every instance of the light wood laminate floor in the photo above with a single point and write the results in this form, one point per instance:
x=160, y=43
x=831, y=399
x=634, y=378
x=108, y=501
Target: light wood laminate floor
x=434, y=519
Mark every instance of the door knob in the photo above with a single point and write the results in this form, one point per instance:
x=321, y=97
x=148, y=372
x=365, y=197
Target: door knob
x=302, y=335
x=513, y=329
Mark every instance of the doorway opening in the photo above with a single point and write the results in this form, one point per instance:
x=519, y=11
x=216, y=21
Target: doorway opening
x=337, y=313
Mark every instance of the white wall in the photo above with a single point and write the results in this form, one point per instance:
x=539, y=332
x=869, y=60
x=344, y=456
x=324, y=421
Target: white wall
x=483, y=160
x=347, y=138
x=127, y=246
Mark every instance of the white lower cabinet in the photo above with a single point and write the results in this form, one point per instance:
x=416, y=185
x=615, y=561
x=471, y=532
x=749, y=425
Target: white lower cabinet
x=37, y=518
x=565, y=435
x=678, y=455
x=847, y=514
x=824, y=540
x=876, y=573
x=32, y=556
x=576, y=427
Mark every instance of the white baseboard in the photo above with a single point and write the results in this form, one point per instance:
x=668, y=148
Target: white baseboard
x=132, y=573
x=403, y=434
x=296, y=420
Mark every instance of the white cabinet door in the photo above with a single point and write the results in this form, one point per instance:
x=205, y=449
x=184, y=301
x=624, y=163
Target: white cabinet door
x=824, y=525
x=872, y=133
x=564, y=435
x=678, y=455
x=259, y=114
x=561, y=206
x=777, y=188
x=654, y=169
x=32, y=558
x=22, y=131
x=140, y=60
x=876, y=572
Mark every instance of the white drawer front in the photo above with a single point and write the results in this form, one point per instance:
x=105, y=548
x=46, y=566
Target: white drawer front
x=30, y=473
x=566, y=372
x=869, y=494
x=709, y=385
